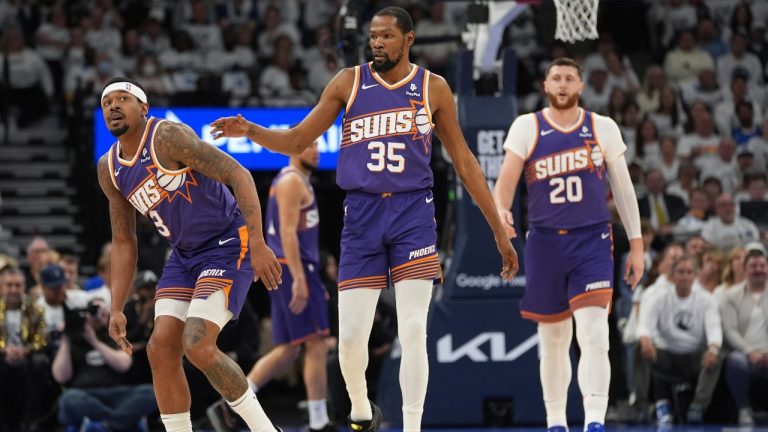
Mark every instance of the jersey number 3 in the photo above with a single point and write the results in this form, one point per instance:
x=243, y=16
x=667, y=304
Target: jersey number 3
x=565, y=190
x=159, y=224
x=384, y=155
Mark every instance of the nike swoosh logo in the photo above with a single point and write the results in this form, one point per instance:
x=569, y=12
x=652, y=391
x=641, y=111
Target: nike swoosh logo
x=604, y=235
x=117, y=171
x=366, y=87
x=430, y=199
x=547, y=132
x=221, y=242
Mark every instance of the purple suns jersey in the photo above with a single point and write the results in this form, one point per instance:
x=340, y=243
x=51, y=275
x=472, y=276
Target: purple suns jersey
x=566, y=176
x=309, y=222
x=386, y=144
x=187, y=208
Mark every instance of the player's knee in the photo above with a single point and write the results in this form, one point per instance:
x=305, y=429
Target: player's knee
x=597, y=334
x=199, y=346
x=412, y=331
x=289, y=353
x=163, y=345
x=317, y=349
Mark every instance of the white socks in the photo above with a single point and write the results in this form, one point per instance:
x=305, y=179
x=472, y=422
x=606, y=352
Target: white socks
x=248, y=407
x=555, y=368
x=412, y=299
x=180, y=422
x=318, y=414
x=356, y=311
x=594, y=366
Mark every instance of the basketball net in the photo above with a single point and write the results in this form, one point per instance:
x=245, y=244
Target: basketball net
x=576, y=20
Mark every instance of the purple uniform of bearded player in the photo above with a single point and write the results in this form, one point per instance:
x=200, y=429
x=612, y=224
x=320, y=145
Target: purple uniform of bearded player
x=165, y=172
x=391, y=108
x=566, y=154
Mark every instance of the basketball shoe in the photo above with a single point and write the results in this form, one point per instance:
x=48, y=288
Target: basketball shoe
x=371, y=425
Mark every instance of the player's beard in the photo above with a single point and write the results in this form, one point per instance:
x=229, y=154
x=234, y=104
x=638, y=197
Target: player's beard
x=387, y=64
x=570, y=103
x=117, y=132
x=307, y=165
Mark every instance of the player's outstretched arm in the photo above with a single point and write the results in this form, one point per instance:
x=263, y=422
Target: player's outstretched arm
x=176, y=142
x=122, y=217
x=447, y=126
x=295, y=140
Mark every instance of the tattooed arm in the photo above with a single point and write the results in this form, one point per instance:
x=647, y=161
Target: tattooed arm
x=176, y=143
x=122, y=217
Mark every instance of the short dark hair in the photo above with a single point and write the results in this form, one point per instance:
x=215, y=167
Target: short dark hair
x=124, y=79
x=404, y=20
x=565, y=61
x=752, y=253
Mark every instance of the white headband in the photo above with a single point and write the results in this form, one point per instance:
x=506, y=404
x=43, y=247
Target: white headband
x=127, y=87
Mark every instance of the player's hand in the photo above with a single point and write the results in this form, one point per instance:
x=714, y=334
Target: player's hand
x=265, y=266
x=633, y=271
x=232, y=127
x=299, y=295
x=117, y=331
x=509, y=264
x=508, y=222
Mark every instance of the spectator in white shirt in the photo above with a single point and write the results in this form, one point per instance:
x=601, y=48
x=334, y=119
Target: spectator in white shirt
x=728, y=230
x=437, y=56
x=99, y=35
x=641, y=368
x=684, y=63
x=742, y=60
x=30, y=86
x=701, y=141
x=52, y=39
x=669, y=163
x=204, y=32
x=734, y=275
x=680, y=333
x=596, y=92
x=693, y=221
x=653, y=81
x=670, y=117
x=685, y=183
x=722, y=166
x=706, y=89
x=153, y=39
x=647, y=148
x=745, y=327
x=725, y=111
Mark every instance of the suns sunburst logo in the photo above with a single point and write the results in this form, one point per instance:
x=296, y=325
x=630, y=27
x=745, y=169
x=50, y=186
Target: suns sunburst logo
x=159, y=185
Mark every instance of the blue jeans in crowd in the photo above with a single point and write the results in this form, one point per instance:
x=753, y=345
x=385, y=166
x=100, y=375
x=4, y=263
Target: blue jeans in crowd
x=739, y=373
x=120, y=408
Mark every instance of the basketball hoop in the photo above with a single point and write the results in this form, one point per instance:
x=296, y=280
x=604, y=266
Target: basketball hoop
x=576, y=20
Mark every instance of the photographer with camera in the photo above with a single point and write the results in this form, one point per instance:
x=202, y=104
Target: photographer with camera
x=93, y=369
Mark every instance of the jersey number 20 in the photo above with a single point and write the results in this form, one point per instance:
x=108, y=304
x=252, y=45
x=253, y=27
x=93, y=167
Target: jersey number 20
x=565, y=190
x=384, y=156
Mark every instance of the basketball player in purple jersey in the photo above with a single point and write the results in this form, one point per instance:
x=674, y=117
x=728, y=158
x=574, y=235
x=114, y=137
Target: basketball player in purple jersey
x=299, y=306
x=566, y=154
x=391, y=108
x=163, y=170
